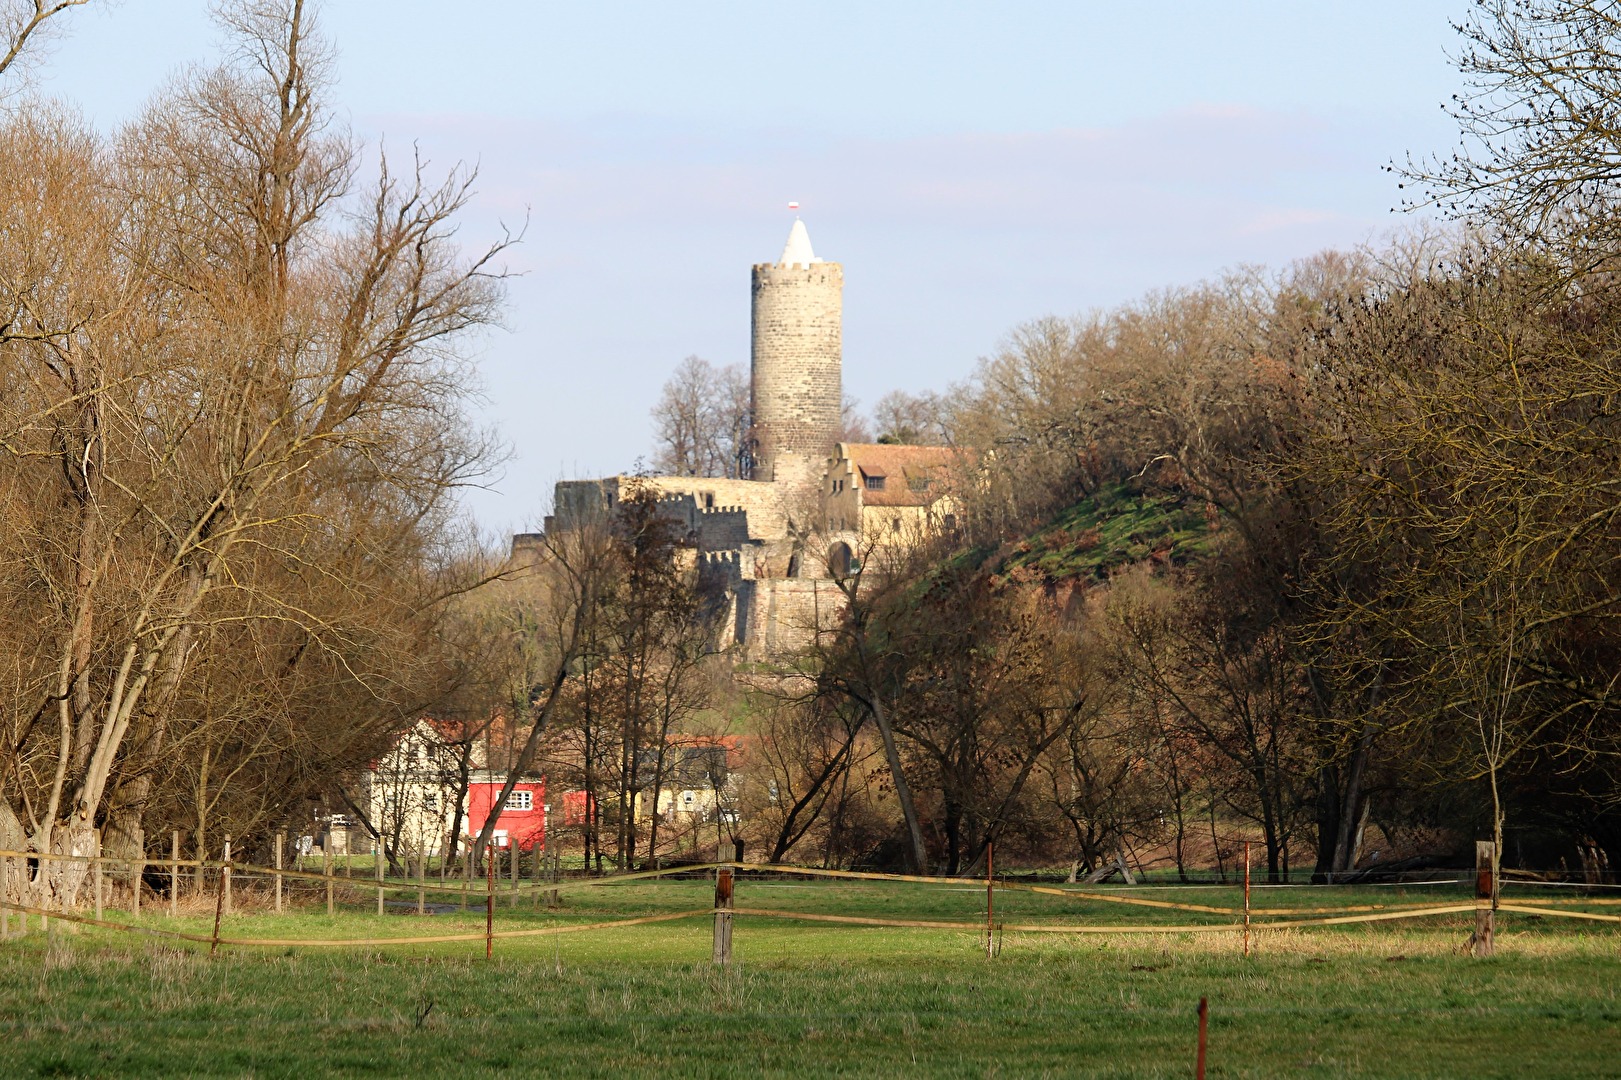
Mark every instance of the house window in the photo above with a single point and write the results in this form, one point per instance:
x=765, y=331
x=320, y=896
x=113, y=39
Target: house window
x=950, y=521
x=430, y=801
x=875, y=483
x=918, y=483
x=521, y=800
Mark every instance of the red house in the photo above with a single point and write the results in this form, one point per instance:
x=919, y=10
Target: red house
x=523, y=822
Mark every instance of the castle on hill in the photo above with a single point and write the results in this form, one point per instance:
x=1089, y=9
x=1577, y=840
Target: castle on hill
x=777, y=543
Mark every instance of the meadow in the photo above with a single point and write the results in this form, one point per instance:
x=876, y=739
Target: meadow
x=1396, y=999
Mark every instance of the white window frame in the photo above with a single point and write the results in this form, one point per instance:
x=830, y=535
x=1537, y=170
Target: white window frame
x=521, y=801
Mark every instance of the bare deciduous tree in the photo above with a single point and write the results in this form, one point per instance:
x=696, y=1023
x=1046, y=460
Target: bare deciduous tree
x=229, y=410
x=23, y=26
x=702, y=421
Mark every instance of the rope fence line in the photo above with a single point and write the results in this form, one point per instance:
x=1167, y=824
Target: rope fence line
x=771, y=913
x=1348, y=915
x=1527, y=909
x=470, y=888
x=388, y=884
x=279, y=943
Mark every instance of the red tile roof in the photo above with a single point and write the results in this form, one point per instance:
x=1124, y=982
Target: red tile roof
x=913, y=475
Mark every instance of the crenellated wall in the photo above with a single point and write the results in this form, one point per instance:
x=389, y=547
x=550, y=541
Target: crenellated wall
x=762, y=543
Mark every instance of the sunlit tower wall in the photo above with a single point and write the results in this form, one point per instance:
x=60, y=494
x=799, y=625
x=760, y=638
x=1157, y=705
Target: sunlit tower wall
x=797, y=357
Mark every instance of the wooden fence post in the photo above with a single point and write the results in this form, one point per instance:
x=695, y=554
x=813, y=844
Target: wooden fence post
x=422, y=874
x=95, y=869
x=377, y=864
x=1246, y=898
x=723, y=906
x=219, y=906
x=174, y=872
x=1485, y=897
x=329, y=868
x=138, y=879
x=489, y=901
x=278, y=874
x=514, y=857
x=467, y=875
x=1204, y=1016
x=990, y=899
x=225, y=874
x=5, y=898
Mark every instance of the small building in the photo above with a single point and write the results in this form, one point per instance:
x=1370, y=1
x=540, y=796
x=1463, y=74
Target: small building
x=889, y=493
x=415, y=788
x=698, y=785
x=522, y=821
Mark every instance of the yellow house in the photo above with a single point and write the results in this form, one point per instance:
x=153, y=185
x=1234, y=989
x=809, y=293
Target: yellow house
x=888, y=494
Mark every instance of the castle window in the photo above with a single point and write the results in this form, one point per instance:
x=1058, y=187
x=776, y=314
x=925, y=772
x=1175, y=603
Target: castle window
x=875, y=483
x=709, y=500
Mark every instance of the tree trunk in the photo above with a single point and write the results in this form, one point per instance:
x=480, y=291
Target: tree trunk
x=903, y=790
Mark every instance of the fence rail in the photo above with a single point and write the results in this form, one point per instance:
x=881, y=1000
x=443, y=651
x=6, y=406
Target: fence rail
x=1253, y=918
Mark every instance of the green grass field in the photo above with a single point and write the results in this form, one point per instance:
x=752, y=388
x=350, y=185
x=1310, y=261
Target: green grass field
x=807, y=999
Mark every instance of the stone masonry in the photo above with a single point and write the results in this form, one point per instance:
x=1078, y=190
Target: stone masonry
x=797, y=357
x=764, y=542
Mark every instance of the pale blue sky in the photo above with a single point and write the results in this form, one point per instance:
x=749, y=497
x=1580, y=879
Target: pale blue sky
x=973, y=166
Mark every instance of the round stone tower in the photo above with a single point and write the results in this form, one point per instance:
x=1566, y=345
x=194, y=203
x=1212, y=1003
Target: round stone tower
x=796, y=360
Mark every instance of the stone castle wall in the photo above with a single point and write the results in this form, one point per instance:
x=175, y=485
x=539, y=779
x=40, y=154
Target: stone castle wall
x=777, y=617
x=719, y=513
x=761, y=543
x=796, y=373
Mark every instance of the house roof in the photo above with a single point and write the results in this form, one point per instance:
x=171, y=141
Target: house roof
x=913, y=475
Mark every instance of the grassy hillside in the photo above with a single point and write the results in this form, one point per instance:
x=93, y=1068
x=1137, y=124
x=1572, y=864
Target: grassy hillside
x=1118, y=526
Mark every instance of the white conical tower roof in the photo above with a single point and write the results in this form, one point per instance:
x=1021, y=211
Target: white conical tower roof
x=798, y=249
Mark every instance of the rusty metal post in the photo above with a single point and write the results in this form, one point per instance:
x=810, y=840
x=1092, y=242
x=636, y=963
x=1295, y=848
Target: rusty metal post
x=1204, y=1015
x=174, y=872
x=723, y=915
x=278, y=875
x=513, y=858
x=467, y=875
x=326, y=857
x=377, y=865
x=137, y=878
x=990, y=900
x=1485, y=897
x=5, y=898
x=1246, y=898
x=489, y=901
x=225, y=875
